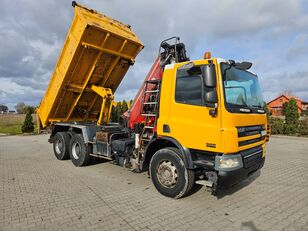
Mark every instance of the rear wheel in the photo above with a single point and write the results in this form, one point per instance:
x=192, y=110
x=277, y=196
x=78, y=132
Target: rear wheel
x=169, y=175
x=79, y=151
x=61, y=145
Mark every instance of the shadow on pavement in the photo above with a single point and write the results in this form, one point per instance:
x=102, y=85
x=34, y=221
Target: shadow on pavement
x=220, y=192
x=195, y=189
x=229, y=191
x=96, y=161
x=250, y=225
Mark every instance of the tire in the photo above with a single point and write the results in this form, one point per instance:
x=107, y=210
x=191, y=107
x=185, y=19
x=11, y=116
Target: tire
x=71, y=134
x=169, y=175
x=61, y=143
x=79, y=151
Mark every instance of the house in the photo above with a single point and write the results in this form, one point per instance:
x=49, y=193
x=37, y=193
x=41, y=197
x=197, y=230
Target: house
x=275, y=106
x=8, y=112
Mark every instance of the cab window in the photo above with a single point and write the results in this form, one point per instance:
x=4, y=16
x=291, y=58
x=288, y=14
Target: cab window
x=188, y=89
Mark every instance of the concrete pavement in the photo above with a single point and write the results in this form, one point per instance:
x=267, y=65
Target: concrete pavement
x=38, y=192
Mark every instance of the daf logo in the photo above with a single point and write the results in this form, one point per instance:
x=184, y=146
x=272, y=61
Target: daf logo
x=210, y=145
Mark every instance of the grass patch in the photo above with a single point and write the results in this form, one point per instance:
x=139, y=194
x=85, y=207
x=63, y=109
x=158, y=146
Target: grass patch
x=11, y=123
x=11, y=129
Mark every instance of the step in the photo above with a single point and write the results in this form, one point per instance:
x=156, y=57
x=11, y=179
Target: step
x=150, y=103
x=101, y=156
x=153, y=81
x=148, y=114
x=143, y=139
x=205, y=183
x=152, y=91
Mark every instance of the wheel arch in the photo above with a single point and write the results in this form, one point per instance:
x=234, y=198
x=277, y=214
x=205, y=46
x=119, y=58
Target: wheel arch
x=85, y=130
x=163, y=142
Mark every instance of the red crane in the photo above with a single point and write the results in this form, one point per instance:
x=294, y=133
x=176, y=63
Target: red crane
x=135, y=118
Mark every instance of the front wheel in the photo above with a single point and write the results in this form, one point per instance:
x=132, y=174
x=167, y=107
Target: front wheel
x=79, y=151
x=169, y=175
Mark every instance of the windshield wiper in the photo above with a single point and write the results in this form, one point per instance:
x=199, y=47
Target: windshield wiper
x=239, y=106
x=257, y=106
x=244, y=108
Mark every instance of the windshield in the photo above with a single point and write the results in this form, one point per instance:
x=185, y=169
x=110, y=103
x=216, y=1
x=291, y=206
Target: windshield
x=242, y=89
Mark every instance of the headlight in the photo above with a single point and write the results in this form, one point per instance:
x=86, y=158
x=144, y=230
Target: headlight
x=228, y=162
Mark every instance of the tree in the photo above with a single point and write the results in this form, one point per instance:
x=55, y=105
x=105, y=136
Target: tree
x=21, y=108
x=267, y=111
x=124, y=107
x=31, y=108
x=277, y=125
x=284, y=108
x=28, y=125
x=292, y=118
x=3, y=108
x=113, y=115
x=131, y=103
x=118, y=110
x=303, y=127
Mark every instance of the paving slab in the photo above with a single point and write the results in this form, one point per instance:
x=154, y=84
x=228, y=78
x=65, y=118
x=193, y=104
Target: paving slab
x=39, y=192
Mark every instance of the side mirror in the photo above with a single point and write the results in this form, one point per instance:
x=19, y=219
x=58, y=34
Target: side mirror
x=211, y=101
x=210, y=96
x=209, y=75
x=243, y=65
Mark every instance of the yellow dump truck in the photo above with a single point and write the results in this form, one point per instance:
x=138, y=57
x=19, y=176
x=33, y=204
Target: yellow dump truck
x=192, y=121
x=97, y=53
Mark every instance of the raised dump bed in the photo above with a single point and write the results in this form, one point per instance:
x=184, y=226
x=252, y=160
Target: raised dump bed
x=97, y=53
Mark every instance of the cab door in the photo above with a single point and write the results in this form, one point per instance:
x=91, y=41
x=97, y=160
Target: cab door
x=189, y=120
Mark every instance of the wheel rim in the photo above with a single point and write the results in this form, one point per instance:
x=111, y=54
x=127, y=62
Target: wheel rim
x=167, y=174
x=58, y=146
x=76, y=150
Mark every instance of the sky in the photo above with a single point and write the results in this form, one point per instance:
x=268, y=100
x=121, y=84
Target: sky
x=272, y=34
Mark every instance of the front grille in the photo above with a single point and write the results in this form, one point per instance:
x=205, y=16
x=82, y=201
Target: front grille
x=246, y=142
x=250, y=131
x=252, y=157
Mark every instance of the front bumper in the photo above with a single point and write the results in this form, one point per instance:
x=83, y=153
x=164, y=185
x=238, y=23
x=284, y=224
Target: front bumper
x=252, y=160
x=229, y=178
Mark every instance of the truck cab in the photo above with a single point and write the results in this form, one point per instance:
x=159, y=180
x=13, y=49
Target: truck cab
x=214, y=109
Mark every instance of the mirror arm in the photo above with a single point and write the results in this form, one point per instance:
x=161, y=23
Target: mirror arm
x=213, y=111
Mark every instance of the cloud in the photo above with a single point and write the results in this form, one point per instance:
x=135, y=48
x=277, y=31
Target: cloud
x=271, y=34
x=279, y=83
x=299, y=47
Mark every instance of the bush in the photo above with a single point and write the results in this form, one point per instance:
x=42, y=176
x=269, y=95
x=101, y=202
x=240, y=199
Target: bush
x=303, y=127
x=292, y=118
x=28, y=125
x=277, y=125
x=305, y=113
x=290, y=129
